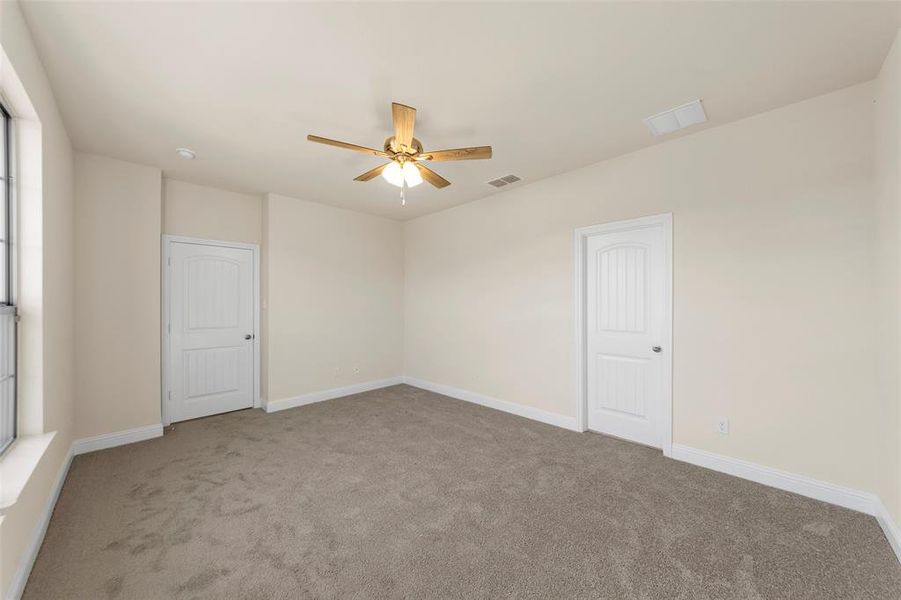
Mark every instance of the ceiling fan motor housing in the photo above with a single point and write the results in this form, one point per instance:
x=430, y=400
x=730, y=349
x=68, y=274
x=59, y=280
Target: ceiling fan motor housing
x=390, y=147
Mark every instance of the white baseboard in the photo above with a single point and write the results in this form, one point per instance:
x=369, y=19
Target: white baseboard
x=509, y=407
x=17, y=586
x=864, y=502
x=119, y=438
x=313, y=397
x=891, y=529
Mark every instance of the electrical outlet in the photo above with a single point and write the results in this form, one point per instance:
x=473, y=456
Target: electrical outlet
x=356, y=370
x=722, y=425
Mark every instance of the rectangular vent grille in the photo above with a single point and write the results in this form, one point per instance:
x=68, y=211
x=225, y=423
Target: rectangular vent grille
x=676, y=118
x=505, y=180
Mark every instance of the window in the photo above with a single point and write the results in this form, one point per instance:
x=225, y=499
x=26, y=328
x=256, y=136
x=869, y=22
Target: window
x=7, y=307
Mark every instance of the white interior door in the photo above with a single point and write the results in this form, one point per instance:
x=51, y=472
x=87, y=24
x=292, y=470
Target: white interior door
x=625, y=297
x=211, y=330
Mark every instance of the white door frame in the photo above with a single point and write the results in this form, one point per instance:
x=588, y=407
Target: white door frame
x=581, y=237
x=165, y=271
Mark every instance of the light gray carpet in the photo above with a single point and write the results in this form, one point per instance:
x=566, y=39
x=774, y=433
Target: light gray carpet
x=401, y=493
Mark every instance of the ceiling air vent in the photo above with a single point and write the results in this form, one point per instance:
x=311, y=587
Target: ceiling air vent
x=677, y=118
x=502, y=181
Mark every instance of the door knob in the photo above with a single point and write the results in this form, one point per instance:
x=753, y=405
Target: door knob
x=656, y=348
x=248, y=336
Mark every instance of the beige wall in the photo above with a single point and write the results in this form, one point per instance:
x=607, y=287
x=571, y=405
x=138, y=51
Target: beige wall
x=122, y=210
x=335, y=288
x=47, y=275
x=773, y=326
x=888, y=246
x=210, y=213
x=118, y=295
x=47, y=248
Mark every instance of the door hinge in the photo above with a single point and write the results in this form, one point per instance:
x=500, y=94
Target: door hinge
x=169, y=261
x=170, y=395
x=169, y=328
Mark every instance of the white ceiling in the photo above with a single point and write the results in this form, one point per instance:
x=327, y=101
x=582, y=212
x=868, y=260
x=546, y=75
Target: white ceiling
x=550, y=86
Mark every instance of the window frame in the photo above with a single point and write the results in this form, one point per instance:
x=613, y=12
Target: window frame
x=7, y=232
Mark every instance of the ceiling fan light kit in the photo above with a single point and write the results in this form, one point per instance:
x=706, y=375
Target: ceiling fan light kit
x=406, y=175
x=406, y=154
x=393, y=174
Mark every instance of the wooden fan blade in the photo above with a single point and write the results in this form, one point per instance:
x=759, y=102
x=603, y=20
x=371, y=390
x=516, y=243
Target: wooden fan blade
x=372, y=174
x=345, y=145
x=432, y=177
x=404, y=119
x=476, y=153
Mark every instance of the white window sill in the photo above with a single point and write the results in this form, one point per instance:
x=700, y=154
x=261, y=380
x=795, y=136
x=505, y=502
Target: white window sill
x=17, y=465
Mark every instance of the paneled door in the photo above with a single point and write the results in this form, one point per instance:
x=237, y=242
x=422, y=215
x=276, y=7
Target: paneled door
x=626, y=292
x=211, y=330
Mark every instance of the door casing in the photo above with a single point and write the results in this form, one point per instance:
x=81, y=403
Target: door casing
x=581, y=235
x=165, y=271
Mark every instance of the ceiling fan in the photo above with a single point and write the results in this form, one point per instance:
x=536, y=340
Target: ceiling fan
x=406, y=154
